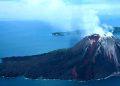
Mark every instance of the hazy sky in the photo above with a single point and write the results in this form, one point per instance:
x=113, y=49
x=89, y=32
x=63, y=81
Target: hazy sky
x=35, y=9
x=62, y=13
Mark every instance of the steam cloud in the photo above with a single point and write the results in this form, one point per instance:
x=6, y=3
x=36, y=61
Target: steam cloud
x=60, y=14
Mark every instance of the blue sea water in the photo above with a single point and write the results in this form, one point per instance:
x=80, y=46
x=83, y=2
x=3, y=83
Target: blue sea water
x=113, y=81
x=20, y=38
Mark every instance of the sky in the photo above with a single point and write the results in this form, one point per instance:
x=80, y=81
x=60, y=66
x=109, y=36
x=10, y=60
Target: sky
x=38, y=9
x=64, y=14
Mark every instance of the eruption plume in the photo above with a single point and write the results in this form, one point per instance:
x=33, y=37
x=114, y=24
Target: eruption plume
x=60, y=14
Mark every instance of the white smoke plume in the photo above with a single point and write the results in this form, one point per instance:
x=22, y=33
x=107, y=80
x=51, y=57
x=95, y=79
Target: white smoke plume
x=60, y=14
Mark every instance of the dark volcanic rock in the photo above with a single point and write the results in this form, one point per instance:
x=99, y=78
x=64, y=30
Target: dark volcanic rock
x=94, y=57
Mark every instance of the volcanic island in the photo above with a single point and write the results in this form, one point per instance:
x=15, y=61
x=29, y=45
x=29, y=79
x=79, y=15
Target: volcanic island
x=93, y=57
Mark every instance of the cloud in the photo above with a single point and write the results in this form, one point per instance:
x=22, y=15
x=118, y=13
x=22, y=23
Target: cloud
x=37, y=9
x=58, y=13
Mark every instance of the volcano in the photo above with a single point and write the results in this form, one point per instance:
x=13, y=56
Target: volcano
x=94, y=57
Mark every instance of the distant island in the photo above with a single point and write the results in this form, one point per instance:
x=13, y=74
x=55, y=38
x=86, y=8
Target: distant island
x=116, y=30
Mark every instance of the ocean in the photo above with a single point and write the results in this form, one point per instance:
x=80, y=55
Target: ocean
x=113, y=81
x=21, y=38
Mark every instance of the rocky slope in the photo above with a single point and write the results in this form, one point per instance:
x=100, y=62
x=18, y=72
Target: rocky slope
x=94, y=57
